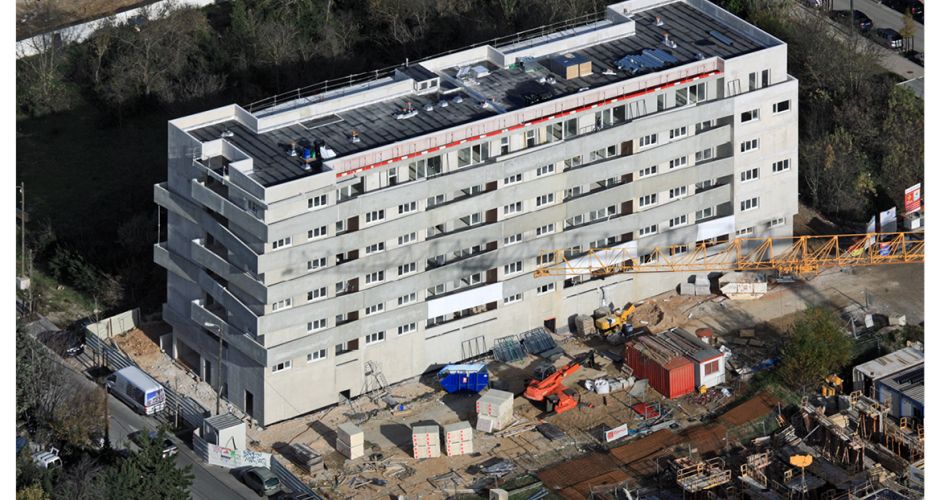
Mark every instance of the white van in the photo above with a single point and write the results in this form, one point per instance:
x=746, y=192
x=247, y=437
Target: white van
x=137, y=390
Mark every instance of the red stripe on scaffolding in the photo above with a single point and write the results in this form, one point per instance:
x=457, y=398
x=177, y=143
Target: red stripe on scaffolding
x=535, y=121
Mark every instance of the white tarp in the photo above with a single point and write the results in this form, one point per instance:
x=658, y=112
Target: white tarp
x=232, y=458
x=716, y=227
x=613, y=255
x=889, y=220
x=465, y=300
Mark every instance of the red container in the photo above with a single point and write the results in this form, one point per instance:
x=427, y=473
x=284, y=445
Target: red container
x=674, y=380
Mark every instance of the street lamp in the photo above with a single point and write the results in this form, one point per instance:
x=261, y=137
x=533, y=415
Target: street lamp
x=218, y=391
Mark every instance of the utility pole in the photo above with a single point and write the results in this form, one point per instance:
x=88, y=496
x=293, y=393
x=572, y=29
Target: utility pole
x=22, y=189
x=218, y=390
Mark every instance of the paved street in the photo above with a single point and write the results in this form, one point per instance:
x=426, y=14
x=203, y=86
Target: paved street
x=883, y=17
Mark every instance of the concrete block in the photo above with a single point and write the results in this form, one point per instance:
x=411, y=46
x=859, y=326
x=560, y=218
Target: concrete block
x=499, y=494
x=455, y=449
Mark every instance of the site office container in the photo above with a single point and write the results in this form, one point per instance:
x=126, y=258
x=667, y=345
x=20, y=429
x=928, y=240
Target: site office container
x=675, y=379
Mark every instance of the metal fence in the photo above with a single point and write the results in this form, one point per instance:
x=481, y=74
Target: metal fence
x=301, y=490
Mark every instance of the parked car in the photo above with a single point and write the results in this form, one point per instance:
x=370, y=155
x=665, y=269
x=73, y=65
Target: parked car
x=889, y=38
x=169, y=448
x=915, y=6
x=261, y=480
x=813, y=4
x=65, y=343
x=861, y=21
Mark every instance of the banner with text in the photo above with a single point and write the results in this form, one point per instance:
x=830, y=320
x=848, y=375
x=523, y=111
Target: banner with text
x=912, y=198
x=232, y=458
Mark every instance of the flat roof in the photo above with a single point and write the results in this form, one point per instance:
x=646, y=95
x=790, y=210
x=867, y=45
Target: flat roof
x=891, y=363
x=697, y=36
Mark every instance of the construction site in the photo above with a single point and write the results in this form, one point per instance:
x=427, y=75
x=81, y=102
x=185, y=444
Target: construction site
x=658, y=399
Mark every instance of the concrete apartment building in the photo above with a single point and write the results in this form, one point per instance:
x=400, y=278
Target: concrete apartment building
x=395, y=223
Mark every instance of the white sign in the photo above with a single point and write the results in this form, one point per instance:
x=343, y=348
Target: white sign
x=617, y=433
x=889, y=220
x=232, y=458
x=871, y=228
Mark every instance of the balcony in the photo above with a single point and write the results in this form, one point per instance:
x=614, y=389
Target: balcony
x=201, y=313
x=207, y=193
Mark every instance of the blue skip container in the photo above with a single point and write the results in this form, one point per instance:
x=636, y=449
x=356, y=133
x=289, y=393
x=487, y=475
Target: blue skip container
x=464, y=378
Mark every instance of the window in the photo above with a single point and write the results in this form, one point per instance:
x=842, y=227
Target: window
x=780, y=166
x=375, y=308
x=407, y=238
x=777, y=222
x=646, y=172
x=347, y=346
x=697, y=93
x=602, y=213
x=504, y=145
x=436, y=200
x=419, y=169
x=407, y=268
x=750, y=145
x=660, y=102
x=678, y=162
x=317, y=324
x=782, y=106
x=545, y=199
x=704, y=213
x=574, y=192
x=512, y=208
x=512, y=299
x=316, y=293
x=574, y=221
x=316, y=355
x=678, y=132
x=513, y=268
x=542, y=290
x=747, y=116
x=752, y=81
x=765, y=78
x=512, y=179
x=544, y=170
x=375, y=277
x=677, y=192
x=375, y=247
x=705, y=125
x=647, y=140
x=282, y=366
x=317, y=232
x=316, y=202
x=281, y=304
x=408, y=298
x=750, y=204
x=747, y=231
x=711, y=367
x=375, y=215
x=472, y=155
x=530, y=138
x=677, y=221
x=750, y=174
x=407, y=207
x=682, y=96
x=648, y=199
x=545, y=258
x=313, y=265
x=573, y=162
x=546, y=229
x=678, y=249
x=340, y=226
x=705, y=185
x=281, y=243
x=406, y=329
x=648, y=230
x=375, y=337
x=704, y=155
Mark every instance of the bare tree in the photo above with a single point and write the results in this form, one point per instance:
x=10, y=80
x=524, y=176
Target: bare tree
x=39, y=71
x=100, y=44
x=340, y=34
x=908, y=30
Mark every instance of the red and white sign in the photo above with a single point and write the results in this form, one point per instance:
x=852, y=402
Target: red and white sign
x=912, y=198
x=617, y=433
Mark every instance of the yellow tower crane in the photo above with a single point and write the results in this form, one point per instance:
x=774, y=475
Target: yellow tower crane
x=787, y=255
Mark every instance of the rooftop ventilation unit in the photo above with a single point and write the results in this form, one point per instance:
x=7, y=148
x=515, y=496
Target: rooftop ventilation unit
x=647, y=59
x=480, y=71
x=227, y=133
x=354, y=137
x=326, y=153
x=659, y=21
x=721, y=37
x=668, y=42
x=407, y=112
x=570, y=65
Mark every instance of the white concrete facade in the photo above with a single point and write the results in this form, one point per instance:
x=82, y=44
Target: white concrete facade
x=416, y=273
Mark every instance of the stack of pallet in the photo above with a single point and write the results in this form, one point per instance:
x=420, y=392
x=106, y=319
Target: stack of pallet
x=459, y=438
x=494, y=410
x=350, y=441
x=427, y=441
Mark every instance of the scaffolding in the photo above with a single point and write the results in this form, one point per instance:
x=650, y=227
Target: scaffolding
x=702, y=476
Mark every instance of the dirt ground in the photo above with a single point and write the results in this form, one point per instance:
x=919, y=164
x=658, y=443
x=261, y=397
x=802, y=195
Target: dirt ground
x=39, y=16
x=884, y=289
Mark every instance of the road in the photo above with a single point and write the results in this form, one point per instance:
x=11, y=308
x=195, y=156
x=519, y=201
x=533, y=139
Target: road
x=209, y=482
x=883, y=17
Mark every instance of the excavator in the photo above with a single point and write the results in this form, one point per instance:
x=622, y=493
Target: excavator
x=608, y=323
x=548, y=386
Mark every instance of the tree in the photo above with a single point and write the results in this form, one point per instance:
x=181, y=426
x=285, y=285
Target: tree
x=908, y=30
x=902, y=143
x=146, y=475
x=41, y=86
x=816, y=347
x=31, y=492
